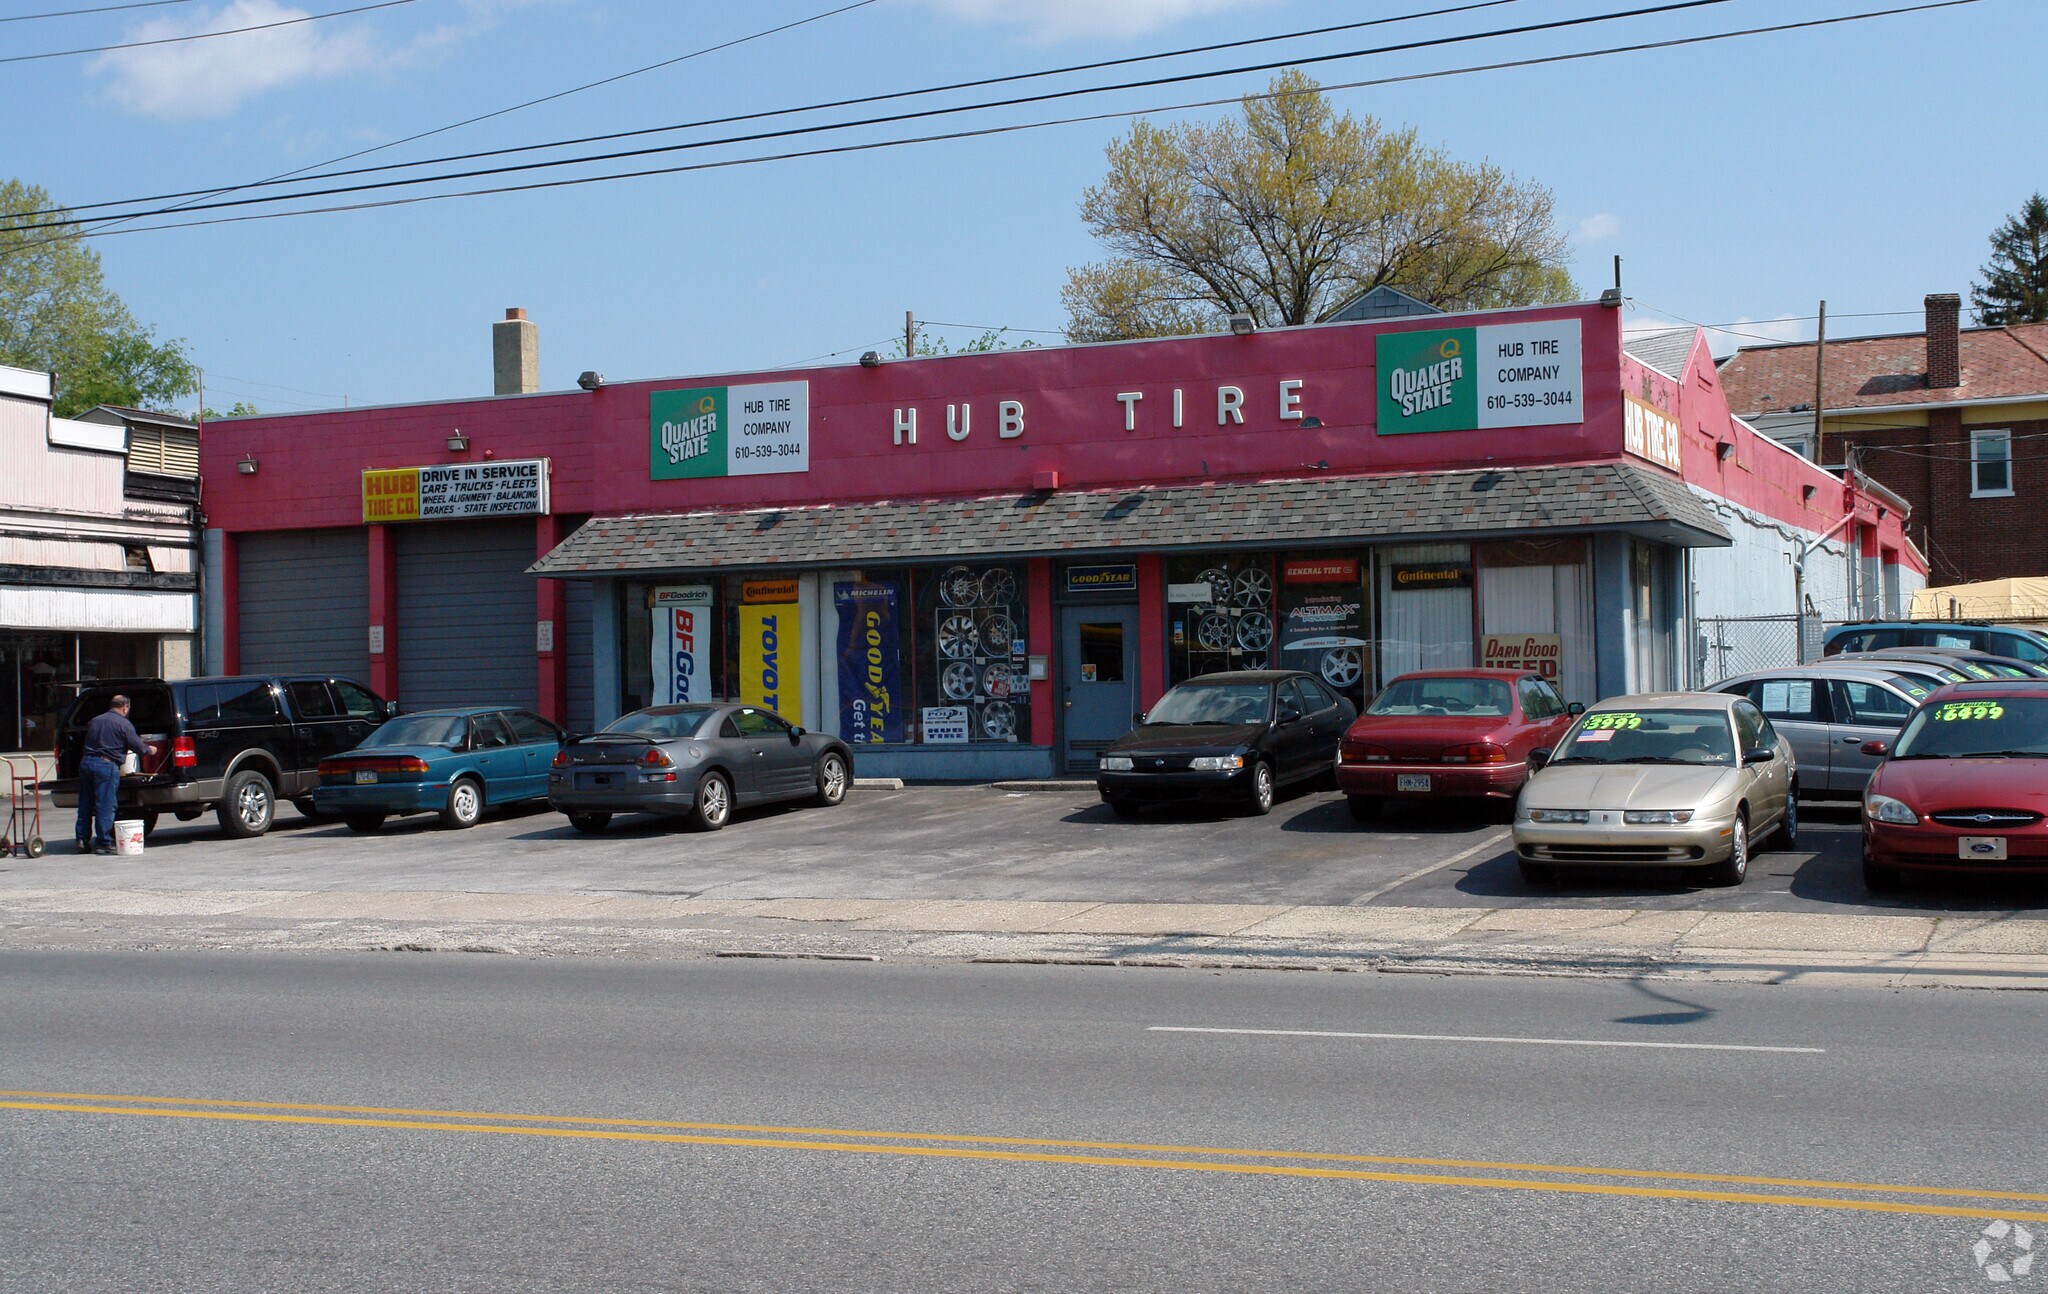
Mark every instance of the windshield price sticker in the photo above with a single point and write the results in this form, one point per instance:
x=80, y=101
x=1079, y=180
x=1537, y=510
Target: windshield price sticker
x=1954, y=711
x=1613, y=720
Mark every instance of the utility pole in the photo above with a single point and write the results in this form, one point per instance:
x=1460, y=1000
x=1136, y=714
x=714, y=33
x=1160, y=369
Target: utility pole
x=909, y=335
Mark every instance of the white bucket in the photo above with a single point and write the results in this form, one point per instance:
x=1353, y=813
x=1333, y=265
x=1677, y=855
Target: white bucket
x=128, y=837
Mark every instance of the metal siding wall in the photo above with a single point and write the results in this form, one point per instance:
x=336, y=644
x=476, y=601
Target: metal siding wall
x=576, y=642
x=466, y=614
x=305, y=602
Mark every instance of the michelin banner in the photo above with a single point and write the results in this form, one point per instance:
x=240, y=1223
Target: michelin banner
x=771, y=656
x=682, y=644
x=869, y=686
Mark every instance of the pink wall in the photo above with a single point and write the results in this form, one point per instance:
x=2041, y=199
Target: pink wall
x=311, y=464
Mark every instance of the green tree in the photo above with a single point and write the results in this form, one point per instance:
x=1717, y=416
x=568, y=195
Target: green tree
x=57, y=314
x=929, y=344
x=2015, y=290
x=1290, y=212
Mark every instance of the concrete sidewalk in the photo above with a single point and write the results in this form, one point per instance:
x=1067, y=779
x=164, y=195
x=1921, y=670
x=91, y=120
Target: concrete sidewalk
x=1771, y=947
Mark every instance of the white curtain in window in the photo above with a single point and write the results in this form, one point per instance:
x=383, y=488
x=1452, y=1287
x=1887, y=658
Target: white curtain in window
x=1545, y=600
x=1423, y=628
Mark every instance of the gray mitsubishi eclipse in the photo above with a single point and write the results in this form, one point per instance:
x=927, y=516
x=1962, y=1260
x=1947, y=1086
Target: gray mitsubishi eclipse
x=695, y=762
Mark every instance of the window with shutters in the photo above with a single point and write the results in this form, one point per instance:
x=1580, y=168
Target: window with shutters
x=163, y=451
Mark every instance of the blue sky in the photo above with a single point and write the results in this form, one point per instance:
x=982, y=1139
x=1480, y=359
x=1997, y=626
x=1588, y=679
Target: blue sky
x=1741, y=181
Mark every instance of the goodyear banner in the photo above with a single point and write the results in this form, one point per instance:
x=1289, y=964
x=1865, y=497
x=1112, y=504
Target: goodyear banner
x=870, y=688
x=1468, y=379
x=682, y=644
x=729, y=431
x=771, y=655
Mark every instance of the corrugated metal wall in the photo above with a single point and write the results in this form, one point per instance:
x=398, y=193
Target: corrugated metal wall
x=466, y=611
x=305, y=602
x=576, y=641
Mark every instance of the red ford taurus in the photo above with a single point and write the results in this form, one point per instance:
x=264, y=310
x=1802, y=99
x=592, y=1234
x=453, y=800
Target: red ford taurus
x=1449, y=734
x=1965, y=787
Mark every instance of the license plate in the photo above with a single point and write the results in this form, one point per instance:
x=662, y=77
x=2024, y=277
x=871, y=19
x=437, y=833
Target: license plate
x=366, y=777
x=1981, y=848
x=1411, y=781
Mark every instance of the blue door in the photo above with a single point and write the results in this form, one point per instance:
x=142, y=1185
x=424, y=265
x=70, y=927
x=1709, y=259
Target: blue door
x=1098, y=680
x=538, y=742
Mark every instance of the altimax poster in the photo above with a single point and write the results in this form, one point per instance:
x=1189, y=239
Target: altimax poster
x=868, y=673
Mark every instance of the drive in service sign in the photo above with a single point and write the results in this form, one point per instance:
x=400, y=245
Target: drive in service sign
x=1467, y=379
x=516, y=487
x=729, y=431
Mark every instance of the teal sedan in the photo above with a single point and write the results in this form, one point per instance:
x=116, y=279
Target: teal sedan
x=456, y=763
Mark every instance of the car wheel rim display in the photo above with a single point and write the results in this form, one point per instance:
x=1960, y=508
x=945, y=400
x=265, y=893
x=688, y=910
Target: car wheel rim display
x=957, y=680
x=998, y=631
x=1254, y=631
x=714, y=799
x=835, y=778
x=998, y=588
x=998, y=720
x=253, y=805
x=957, y=637
x=1218, y=580
x=1213, y=632
x=959, y=587
x=1254, y=587
x=1343, y=666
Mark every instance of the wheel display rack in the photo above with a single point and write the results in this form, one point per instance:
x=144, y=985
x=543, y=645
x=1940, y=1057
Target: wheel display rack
x=975, y=631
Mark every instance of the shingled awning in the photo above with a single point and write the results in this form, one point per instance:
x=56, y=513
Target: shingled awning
x=1316, y=511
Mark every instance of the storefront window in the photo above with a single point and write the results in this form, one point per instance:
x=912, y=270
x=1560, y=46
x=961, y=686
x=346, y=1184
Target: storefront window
x=1219, y=612
x=675, y=642
x=1325, y=619
x=1536, y=612
x=1425, y=608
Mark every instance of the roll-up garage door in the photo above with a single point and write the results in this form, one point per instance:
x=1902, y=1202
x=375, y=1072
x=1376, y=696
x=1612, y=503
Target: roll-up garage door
x=576, y=641
x=304, y=602
x=466, y=614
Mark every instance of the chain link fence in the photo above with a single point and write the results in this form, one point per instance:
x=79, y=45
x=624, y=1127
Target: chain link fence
x=1724, y=646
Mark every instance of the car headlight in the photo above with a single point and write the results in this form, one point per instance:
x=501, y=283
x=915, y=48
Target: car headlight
x=1883, y=808
x=1215, y=763
x=1116, y=763
x=1559, y=815
x=1656, y=817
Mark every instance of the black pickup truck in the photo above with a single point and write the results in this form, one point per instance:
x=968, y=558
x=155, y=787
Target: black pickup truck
x=233, y=745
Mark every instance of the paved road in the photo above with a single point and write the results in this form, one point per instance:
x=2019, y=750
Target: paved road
x=980, y=843
x=836, y=1127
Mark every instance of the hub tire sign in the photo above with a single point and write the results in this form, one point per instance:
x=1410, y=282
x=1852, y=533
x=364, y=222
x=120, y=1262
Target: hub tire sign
x=1471, y=379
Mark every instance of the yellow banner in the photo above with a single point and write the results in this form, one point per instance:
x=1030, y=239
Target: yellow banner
x=391, y=494
x=771, y=652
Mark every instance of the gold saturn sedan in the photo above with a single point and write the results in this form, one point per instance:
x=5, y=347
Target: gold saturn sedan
x=1670, y=779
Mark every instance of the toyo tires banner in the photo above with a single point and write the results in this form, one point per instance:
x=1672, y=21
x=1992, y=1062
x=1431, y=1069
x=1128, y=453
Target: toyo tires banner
x=1469, y=379
x=682, y=644
x=869, y=683
x=771, y=655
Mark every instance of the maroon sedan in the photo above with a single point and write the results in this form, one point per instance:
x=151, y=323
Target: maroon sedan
x=1440, y=735
x=1965, y=787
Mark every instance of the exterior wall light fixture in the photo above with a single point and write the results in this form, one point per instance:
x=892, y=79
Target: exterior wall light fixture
x=457, y=442
x=247, y=466
x=870, y=359
x=1243, y=325
x=1725, y=450
x=590, y=379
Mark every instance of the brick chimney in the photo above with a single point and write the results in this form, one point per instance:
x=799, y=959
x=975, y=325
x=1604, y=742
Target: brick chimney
x=1944, y=356
x=515, y=354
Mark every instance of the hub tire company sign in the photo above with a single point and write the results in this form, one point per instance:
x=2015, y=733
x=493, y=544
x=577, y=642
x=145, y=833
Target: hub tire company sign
x=729, y=431
x=1470, y=379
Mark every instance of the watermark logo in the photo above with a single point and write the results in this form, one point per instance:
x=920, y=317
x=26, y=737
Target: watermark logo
x=2004, y=1252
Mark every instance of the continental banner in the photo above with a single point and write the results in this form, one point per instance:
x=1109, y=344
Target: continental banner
x=682, y=644
x=771, y=652
x=869, y=683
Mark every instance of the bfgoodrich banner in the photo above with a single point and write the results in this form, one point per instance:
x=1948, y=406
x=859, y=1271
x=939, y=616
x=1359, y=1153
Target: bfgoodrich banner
x=869, y=686
x=682, y=643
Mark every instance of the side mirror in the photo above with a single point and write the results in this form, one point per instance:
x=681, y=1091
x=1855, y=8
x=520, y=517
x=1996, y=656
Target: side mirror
x=1875, y=749
x=1539, y=757
x=795, y=735
x=1575, y=709
x=1758, y=756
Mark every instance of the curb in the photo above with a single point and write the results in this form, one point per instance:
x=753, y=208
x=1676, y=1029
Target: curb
x=1056, y=786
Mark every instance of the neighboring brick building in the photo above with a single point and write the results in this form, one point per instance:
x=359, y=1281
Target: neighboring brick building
x=1954, y=420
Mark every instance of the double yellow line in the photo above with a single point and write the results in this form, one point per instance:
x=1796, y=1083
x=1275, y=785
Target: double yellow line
x=1566, y=1179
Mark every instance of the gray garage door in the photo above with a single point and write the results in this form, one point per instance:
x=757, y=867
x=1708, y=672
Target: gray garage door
x=576, y=642
x=465, y=614
x=304, y=602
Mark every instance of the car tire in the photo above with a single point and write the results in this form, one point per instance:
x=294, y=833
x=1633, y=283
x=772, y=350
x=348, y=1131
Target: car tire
x=1879, y=879
x=590, y=822
x=832, y=779
x=247, y=805
x=1364, y=808
x=1735, y=869
x=363, y=823
x=713, y=808
x=149, y=821
x=1260, y=802
x=465, y=804
x=1537, y=873
x=1787, y=835
x=1123, y=806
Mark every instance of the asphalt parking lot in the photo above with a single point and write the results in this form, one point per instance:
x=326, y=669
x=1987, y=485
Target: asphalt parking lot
x=987, y=843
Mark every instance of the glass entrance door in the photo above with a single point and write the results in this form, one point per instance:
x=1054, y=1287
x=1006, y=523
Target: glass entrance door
x=1098, y=680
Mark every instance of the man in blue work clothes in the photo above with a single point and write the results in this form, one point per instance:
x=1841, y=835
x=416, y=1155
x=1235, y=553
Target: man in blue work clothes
x=108, y=739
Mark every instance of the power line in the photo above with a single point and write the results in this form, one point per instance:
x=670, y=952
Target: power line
x=1671, y=6
x=875, y=145
x=203, y=35
x=762, y=115
x=1047, y=332
x=105, y=8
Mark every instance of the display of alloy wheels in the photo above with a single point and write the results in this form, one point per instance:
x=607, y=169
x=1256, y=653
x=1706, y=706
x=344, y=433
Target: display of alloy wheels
x=958, y=638
x=998, y=721
x=1252, y=660
x=957, y=680
x=998, y=587
x=1254, y=587
x=997, y=633
x=1342, y=666
x=1218, y=580
x=1212, y=632
x=959, y=587
x=1254, y=631
x=997, y=679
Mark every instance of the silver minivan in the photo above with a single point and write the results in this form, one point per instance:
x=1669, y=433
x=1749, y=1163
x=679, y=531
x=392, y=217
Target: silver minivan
x=1826, y=711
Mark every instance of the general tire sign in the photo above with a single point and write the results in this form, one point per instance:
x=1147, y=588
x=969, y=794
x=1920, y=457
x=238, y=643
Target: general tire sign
x=1470, y=379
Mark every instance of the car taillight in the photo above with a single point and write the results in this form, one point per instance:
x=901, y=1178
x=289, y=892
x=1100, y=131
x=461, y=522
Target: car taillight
x=1478, y=752
x=561, y=759
x=183, y=753
x=656, y=758
x=393, y=765
x=1359, y=752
